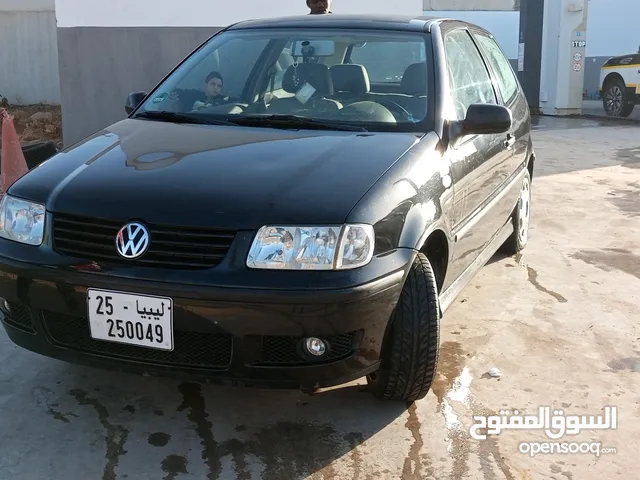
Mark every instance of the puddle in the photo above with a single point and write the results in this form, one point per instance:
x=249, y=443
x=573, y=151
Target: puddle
x=115, y=435
x=159, y=439
x=172, y=465
x=627, y=200
x=610, y=259
x=412, y=468
x=453, y=389
x=286, y=449
x=631, y=364
x=630, y=157
x=450, y=364
x=533, y=280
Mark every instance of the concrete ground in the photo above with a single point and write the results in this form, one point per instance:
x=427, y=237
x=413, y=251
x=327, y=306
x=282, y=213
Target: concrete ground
x=560, y=321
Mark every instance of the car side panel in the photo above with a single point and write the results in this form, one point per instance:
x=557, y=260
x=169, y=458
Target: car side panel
x=473, y=167
x=627, y=66
x=479, y=163
x=414, y=198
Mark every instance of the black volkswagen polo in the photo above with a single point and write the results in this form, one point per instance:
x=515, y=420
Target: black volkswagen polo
x=295, y=205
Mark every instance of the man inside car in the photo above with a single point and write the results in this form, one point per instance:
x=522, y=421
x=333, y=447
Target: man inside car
x=196, y=99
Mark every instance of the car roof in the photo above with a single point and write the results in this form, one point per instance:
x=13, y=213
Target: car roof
x=355, y=21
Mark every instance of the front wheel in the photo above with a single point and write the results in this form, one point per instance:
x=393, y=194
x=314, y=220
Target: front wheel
x=615, y=99
x=410, y=354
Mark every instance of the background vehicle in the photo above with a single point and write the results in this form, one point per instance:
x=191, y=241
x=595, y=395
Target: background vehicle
x=301, y=232
x=620, y=84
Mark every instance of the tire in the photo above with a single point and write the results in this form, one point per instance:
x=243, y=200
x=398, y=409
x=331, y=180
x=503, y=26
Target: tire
x=411, y=349
x=521, y=219
x=36, y=153
x=615, y=99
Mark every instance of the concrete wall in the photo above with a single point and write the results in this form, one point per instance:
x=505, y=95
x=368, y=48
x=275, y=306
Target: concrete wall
x=29, y=54
x=110, y=48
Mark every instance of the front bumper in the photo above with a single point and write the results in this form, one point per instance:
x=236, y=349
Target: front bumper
x=235, y=335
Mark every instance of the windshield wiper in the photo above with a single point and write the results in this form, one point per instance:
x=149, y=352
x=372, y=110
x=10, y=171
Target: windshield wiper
x=180, y=118
x=273, y=120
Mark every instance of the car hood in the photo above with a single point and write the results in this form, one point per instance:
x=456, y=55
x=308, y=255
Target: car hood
x=232, y=177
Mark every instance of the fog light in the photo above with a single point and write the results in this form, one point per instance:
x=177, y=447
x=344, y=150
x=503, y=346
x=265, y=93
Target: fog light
x=315, y=346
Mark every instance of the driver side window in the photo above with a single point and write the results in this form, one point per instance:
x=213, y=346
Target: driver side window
x=469, y=79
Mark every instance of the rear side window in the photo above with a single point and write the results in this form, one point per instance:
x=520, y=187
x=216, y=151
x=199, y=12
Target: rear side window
x=469, y=78
x=507, y=81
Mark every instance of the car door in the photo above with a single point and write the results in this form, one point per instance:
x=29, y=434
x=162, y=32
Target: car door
x=513, y=98
x=474, y=159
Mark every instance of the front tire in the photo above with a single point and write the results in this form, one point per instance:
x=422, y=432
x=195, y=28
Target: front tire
x=615, y=99
x=410, y=354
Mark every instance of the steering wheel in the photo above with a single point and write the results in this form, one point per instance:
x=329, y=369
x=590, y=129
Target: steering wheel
x=394, y=106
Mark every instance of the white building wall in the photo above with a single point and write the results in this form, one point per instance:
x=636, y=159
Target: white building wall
x=29, y=53
x=204, y=13
x=504, y=24
x=613, y=25
x=612, y=28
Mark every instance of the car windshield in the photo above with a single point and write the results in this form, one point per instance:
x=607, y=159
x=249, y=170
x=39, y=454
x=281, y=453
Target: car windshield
x=302, y=78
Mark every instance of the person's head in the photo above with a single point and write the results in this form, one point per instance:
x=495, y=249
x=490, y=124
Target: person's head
x=213, y=84
x=319, y=6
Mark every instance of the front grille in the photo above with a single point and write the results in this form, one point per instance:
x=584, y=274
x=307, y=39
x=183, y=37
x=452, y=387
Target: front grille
x=20, y=316
x=170, y=246
x=283, y=350
x=191, y=349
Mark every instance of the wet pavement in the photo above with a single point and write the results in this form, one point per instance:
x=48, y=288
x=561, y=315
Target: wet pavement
x=559, y=321
x=595, y=107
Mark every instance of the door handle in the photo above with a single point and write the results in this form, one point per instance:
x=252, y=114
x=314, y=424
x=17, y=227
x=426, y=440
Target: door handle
x=509, y=142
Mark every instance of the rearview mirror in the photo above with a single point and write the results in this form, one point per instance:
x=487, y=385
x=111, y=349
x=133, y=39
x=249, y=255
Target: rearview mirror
x=133, y=100
x=486, y=118
x=313, y=48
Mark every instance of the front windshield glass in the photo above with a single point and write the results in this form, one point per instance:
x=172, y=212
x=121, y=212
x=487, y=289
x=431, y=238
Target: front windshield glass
x=378, y=80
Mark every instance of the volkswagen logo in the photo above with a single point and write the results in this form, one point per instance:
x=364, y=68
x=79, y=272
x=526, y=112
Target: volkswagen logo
x=132, y=240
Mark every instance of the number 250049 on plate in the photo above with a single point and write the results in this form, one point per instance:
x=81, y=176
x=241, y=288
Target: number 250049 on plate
x=133, y=319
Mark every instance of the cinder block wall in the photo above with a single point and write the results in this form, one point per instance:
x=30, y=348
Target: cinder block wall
x=29, y=54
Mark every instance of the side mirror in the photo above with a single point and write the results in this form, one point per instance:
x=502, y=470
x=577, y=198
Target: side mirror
x=486, y=118
x=133, y=100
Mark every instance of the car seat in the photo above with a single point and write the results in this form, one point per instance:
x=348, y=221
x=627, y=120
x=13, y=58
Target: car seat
x=350, y=82
x=319, y=77
x=414, y=86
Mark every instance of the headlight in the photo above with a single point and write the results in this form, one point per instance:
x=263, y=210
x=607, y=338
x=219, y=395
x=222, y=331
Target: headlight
x=21, y=221
x=336, y=247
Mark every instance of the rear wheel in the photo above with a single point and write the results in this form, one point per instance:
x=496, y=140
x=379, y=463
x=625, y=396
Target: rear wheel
x=410, y=354
x=615, y=99
x=521, y=219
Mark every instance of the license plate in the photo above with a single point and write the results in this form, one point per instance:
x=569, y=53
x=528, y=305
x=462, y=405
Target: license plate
x=140, y=320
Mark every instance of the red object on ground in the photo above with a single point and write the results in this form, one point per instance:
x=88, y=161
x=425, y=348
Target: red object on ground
x=13, y=164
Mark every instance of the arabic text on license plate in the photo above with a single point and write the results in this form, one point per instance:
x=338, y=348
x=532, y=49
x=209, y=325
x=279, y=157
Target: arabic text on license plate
x=139, y=320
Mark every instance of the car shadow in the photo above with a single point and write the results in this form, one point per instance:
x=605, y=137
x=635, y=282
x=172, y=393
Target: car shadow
x=500, y=256
x=237, y=432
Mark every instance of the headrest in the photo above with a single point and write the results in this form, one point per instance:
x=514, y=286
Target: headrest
x=414, y=80
x=317, y=74
x=350, y=78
